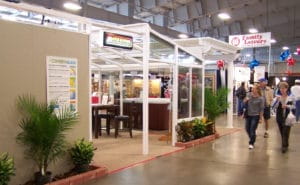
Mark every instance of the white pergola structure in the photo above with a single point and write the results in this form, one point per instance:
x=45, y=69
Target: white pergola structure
x=212, y=49
x=151, y=50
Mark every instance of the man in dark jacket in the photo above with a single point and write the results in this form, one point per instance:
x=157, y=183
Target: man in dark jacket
x=241, y=94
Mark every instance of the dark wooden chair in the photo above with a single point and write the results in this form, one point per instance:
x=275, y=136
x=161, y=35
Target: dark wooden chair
x=128, y=120
x=107, y=116
x=125, y=120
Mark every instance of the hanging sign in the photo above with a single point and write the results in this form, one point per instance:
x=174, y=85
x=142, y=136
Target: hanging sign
x=251, y=40
x=117, y=40
x=62, y=82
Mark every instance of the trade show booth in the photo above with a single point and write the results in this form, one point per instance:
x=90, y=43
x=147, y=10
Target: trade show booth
x=131, y=71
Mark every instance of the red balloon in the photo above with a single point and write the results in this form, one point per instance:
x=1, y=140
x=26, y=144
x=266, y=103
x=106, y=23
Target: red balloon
x=291, y=61
x=220, y=64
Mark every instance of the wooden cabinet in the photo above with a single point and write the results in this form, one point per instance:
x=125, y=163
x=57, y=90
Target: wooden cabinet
x=159, y=115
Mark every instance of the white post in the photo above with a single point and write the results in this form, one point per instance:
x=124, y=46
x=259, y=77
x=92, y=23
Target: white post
x=100, y=85
x=175, y=97
x=230, y=95
x=190, y=92
x=90, y=89
x=203, y=88
x=121, y=95
x=146, y=56
x=269, y=64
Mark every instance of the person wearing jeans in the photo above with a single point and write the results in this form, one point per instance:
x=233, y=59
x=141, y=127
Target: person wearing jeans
x=283, y=105
x=255, y=108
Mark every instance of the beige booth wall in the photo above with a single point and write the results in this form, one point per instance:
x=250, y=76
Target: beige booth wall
x=23, y=51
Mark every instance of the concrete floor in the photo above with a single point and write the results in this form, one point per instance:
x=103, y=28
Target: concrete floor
x=225, y=161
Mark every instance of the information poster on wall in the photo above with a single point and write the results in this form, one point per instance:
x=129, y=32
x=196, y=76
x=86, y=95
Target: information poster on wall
x=62, y=82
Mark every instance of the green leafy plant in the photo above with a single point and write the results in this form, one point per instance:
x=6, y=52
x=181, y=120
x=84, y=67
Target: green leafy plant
x=7, y=168
x=82, y=154
x=43, y=131
x=199, y=129
x=185, y=131
x=215, y=102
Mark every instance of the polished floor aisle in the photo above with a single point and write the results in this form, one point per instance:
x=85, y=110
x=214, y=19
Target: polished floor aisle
x=225, y=161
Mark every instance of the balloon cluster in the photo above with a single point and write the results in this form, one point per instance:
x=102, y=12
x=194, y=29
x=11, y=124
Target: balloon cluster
x=221, y=64
x=284, y=55
x=253, y=63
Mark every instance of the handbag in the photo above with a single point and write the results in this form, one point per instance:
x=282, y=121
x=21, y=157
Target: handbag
x=290, y=120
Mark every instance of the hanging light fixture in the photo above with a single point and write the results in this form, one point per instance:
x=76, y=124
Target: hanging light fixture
x=253, y=30
x=224, y=16
x=183, y=36
x=72, y=6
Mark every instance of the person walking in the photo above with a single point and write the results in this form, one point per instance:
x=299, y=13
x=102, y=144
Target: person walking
x=283, y=104
x=255, y=108
x=241, y=95
x=295, y=90
x=267, y=94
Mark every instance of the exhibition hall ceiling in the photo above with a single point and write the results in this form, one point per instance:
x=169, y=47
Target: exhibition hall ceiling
x=200, y=18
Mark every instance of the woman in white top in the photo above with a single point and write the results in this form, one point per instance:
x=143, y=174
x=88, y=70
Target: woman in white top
x=283, y=105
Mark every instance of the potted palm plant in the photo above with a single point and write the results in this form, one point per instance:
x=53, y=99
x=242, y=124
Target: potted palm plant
x=43, y=133
x=7, y=168
x=215, y=103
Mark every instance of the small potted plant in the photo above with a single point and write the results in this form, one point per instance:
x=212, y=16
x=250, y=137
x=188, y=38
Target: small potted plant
x=7, y=168
x=199, y=129
x=82, y=154
x=43, y=133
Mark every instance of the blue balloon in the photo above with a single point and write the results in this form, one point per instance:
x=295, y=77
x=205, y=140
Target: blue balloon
x=284, y=55
x=254, y=63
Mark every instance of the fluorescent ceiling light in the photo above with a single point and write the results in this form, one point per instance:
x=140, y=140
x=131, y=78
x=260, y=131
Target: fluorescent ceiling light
x=183, y=36
x=224, y=16
x=248, y=55
x=273, y=41
x=253, y=30
x=285, y=48
x=9, y=17
x=72, y=6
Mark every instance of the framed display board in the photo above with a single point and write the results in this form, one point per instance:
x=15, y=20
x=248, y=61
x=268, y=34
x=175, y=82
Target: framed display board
x=62, y=82
x=210, y=82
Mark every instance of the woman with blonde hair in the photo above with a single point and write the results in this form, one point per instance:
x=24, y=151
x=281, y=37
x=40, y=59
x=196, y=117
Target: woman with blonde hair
x=283, y=104
x=254, y=112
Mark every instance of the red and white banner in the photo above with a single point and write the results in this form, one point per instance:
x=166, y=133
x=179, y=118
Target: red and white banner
x=251, y=40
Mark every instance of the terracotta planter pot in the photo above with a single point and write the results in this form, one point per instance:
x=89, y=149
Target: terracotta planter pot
x=196, y=141
x=82, y=177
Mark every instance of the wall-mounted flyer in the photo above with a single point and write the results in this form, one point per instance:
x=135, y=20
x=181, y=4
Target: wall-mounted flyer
x=62, y=82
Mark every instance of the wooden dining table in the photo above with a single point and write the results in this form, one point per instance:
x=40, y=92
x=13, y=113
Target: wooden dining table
x=95, y=109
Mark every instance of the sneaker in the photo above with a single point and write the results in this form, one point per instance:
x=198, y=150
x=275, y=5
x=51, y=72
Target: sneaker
x=266, y=135
x=251, y=147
